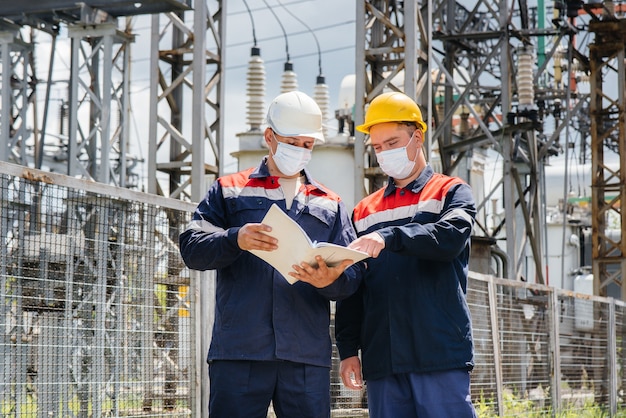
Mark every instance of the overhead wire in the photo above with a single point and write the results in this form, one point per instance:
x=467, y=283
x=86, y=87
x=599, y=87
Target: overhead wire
x=252, y=23
x=319, y=51
x=237, y=12
x=292, y=34
x=281, y=27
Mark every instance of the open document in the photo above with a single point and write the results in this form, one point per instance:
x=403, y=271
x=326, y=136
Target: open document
x=295, y=246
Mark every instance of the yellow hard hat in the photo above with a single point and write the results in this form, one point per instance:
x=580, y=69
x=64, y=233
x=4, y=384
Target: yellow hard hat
x=392, y=107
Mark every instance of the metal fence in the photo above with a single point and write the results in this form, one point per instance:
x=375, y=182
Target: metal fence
x=539, y=351
x=97, y=317
x=546, y=350
x=94, y=310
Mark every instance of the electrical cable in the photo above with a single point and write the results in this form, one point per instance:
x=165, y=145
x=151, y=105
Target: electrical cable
x=319, y=51
x=281, y=27
x=252, y=22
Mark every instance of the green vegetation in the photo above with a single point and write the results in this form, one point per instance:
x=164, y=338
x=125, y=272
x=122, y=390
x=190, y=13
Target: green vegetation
x=516, y=406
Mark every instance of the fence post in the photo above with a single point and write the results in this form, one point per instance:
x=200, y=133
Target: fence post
x=555, y=350
x=495, y=338
x=612, y=357
x=203, y=291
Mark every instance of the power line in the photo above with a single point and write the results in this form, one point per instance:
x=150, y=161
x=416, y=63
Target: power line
x=326, y=51
x=252, y=22
x=281, y=27
x=319, y=54
x=260, y=8
x=271, y=38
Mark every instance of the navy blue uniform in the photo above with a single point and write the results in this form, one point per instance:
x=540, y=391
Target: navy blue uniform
x=259, y=316
x=410, y=314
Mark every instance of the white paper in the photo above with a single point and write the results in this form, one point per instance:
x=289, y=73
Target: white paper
x=295, y=246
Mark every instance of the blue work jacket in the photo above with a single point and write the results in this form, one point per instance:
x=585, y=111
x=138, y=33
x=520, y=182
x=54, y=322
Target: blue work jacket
x=258, y=314
x=410, y=314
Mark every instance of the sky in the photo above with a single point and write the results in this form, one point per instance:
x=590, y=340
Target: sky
x=331, y=22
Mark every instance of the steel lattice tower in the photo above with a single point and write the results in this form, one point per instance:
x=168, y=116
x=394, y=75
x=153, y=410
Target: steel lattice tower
x=511, y=71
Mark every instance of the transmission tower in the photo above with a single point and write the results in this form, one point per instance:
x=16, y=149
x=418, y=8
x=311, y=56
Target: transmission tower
x=608, y=125
x=484, y=92
x=186, y=100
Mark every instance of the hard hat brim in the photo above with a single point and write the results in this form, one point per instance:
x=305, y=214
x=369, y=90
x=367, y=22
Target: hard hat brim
x=365, y=128
x=315, y=135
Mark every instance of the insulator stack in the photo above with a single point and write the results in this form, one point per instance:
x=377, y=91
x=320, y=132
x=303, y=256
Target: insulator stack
x=525, y=86
x=289, y=81
x=322, y=98
x=255, y=89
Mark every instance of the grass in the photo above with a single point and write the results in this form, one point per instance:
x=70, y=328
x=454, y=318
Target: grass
x=516, y=406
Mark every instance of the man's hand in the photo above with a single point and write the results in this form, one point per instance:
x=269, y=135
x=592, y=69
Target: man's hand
x=253, y=237
x=371, y=243
x=320, y=276
x=350, y=371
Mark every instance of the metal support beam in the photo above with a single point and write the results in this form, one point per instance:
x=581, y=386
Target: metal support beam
x=186, y=130
x=98, y=88
x=608, y=125
x=392, y=58
x=14, y=82
x=473, y=47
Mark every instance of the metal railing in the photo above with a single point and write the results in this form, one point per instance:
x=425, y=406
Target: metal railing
x=94, y=309
x=549, y=349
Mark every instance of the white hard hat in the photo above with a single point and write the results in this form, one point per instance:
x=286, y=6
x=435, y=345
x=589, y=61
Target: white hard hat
x=295, y=114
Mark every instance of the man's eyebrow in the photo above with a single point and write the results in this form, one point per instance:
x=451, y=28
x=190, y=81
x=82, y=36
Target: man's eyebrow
x=391, y=137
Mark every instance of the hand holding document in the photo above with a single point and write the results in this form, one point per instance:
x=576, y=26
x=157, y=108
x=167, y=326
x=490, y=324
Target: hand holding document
x=295, y=246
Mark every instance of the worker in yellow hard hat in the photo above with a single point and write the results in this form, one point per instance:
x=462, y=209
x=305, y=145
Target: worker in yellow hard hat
x=387, y=116
x=407, y=331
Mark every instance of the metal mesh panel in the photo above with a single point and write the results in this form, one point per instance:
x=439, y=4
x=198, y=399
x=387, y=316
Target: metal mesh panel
x=483, y=378
x=524, y=318
x=583, y=353
x=620, y=360
x=595, y=355
x=343, y=400
x=93, y=308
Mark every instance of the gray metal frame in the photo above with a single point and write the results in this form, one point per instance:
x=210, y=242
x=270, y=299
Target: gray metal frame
x=480, y=39
x=194, y=62
x=99, y=84
x=15, y=56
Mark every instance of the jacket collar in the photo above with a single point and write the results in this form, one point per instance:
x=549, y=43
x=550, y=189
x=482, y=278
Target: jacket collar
x=416, y=185
x=263, y=171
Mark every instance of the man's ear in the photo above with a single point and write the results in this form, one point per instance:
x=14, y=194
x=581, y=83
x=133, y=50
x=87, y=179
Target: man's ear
x=419, y=136
x=267, y=135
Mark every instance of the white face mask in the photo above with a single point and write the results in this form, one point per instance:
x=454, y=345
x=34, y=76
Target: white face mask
x=290, y=159
x=395, y=162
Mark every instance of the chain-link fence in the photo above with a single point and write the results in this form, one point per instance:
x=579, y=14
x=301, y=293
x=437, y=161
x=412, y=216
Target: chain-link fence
x=540, y=350
x=94, y=314
x=97, y=317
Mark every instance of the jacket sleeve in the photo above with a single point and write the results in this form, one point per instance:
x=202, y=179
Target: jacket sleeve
x=348, y=317
x=208, y=243
x=343, y=234
x=442, y=239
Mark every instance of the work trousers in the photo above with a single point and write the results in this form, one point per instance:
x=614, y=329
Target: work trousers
x=244, y=389
x=443, y=394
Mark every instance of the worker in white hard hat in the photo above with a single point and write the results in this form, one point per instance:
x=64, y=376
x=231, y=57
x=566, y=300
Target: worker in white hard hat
x=407, y=331
x=271, y=338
